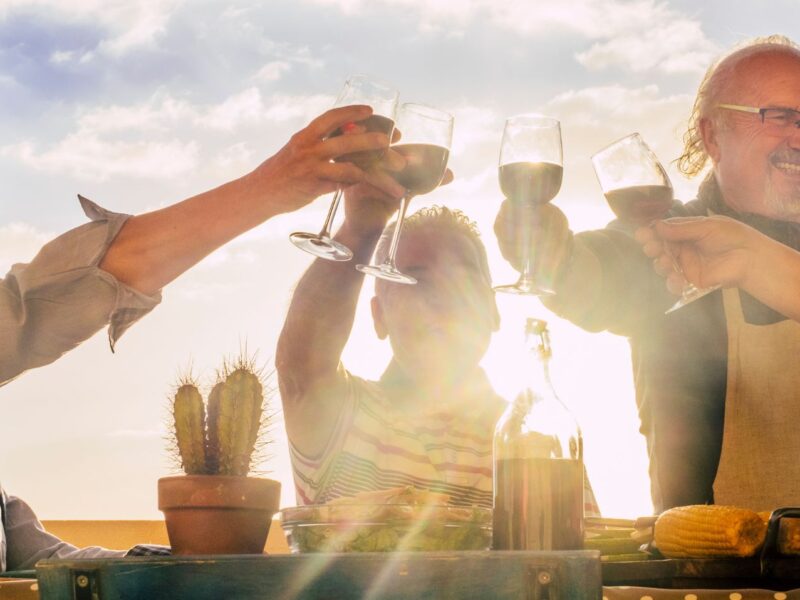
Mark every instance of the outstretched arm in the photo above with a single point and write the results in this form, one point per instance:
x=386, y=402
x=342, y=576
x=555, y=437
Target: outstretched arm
x=718, y=250
x=321, y=315
x=154, y=248
x=110, y=270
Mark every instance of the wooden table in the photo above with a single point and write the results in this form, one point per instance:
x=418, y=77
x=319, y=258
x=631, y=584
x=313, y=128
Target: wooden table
x=396, y=576
x=19, y=589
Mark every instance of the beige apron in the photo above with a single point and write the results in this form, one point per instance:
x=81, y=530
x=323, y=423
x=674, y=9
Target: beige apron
x=760, y=463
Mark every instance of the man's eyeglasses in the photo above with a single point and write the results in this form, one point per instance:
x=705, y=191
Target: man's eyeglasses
x=776, y=120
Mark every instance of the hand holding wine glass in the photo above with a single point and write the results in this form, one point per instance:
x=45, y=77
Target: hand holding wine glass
x=426, y=134
x=639, y=191
x=530, y=174
x=358, y=90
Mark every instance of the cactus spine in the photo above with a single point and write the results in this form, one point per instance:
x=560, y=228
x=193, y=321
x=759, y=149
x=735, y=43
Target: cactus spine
x=189, y=415
x=220, y=439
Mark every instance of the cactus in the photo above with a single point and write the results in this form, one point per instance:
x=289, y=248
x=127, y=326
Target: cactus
x=220, y=439
x=189, y=416
x=212, y=432
x=238, y=420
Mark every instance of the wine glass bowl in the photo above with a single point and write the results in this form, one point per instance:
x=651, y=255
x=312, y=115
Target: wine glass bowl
x=639, y=192
x=530, y=172
x=633, y=180
x=426, y=135
x=382, y=98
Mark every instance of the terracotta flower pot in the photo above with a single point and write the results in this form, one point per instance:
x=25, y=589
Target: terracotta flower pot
x=218, y=514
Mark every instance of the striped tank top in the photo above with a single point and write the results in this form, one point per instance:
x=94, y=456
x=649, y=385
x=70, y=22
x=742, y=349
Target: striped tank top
x=445, y=447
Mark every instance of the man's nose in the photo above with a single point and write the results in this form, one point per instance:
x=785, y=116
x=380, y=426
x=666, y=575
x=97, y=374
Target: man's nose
x=793, y=139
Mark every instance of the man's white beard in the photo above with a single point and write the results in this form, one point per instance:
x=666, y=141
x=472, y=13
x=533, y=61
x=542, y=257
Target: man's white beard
x=782, y=207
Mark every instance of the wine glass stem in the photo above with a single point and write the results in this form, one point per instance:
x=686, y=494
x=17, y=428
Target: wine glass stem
x=401, y=215
x=526, y=276
x=688, y=287
x=326, y=227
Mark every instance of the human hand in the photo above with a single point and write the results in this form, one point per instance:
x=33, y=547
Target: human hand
x=539, y=233
x=705, y=251
x=304, y=169
x=370, y=205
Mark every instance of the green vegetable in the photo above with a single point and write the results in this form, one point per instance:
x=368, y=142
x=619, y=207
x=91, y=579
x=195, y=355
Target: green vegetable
x=415, y=535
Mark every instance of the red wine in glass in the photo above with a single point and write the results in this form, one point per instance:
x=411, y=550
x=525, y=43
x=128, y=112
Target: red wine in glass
x=425, y=167
x=640, y=204
x=427, y=133
x=530, y=182
x=530, y=173
x=369, y=158
x=358, y=89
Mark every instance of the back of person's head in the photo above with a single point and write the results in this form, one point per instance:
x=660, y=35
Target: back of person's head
x=716, y=84
x=445, y=224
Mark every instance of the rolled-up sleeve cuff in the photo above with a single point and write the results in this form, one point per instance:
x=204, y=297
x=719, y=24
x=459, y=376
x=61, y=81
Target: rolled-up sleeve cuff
x=130, y=304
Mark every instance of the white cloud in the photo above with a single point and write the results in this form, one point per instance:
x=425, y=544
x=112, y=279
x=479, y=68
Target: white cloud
x=131, y=24
x=7, y=81
x=235, y=156
x=19, y=242
x=617, y=103
x=246, y=106
x=158, y=114
x=86, y=156
x=161, y=138
x=285, y=107
x=61, y=56
x=473, y=125
x=273, y=70
x=633, y=34
x=678, y=45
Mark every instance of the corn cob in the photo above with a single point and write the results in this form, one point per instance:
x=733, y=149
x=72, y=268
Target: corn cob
x=189, y=416
x=706, y=531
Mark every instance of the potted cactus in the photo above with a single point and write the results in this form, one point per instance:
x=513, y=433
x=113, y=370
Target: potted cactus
x=215, y=507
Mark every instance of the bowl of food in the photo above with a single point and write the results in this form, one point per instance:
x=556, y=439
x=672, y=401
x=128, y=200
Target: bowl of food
x=400, y=519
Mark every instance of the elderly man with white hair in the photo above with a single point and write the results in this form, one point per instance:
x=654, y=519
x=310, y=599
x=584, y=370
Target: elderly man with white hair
x=717, y=383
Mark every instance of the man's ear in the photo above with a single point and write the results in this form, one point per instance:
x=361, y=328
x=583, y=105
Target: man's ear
x=378, y=320
x=708, y=133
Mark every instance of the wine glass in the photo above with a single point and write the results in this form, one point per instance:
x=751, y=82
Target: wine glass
x=639, y=191
x=358, y=89
x=426, y=133
x=530, y=172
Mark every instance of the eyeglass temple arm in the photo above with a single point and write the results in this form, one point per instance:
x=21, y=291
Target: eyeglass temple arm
x=739, y=107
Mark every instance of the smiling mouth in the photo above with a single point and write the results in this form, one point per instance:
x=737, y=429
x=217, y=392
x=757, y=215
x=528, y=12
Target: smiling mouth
x=791, y=168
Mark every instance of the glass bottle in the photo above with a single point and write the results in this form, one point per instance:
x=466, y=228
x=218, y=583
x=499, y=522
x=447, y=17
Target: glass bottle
x=538, y=463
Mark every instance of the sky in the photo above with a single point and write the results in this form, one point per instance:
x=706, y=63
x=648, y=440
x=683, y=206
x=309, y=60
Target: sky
x=139, y=104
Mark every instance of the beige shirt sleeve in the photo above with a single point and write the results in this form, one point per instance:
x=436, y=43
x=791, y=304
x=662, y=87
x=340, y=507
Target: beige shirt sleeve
x=62, y=297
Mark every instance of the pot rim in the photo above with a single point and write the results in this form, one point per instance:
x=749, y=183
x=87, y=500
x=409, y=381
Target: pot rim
x=218, y=491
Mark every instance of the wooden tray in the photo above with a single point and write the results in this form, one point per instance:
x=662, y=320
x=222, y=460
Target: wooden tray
x=397, y=576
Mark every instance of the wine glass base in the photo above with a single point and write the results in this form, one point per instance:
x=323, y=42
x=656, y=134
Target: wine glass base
x=386, y=272
x=521, y=289
x=690, y=296
x=321, y=246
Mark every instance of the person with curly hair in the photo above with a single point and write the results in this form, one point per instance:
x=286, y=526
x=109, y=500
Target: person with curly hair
x=717, y=385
